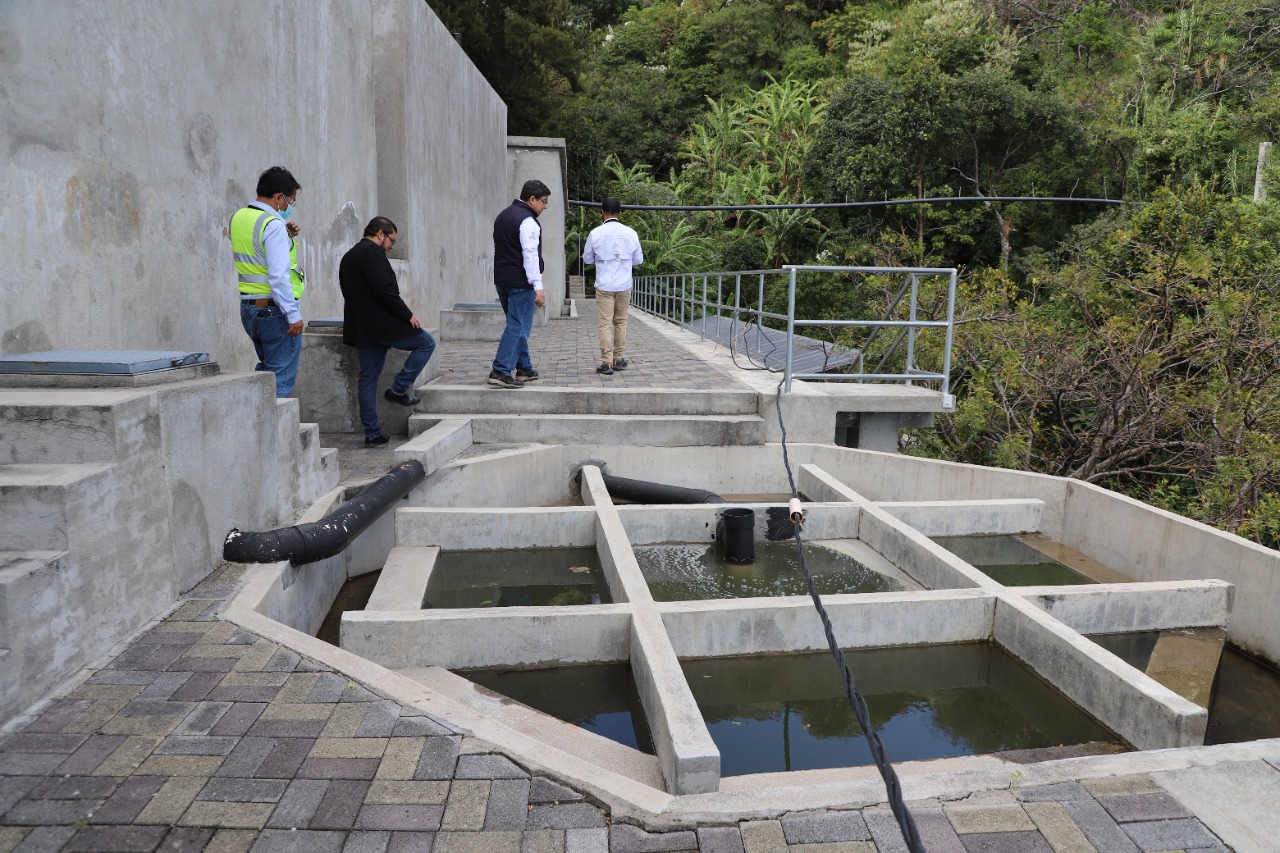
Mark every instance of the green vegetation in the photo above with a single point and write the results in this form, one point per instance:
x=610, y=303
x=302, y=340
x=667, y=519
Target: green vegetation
x=1135, y=347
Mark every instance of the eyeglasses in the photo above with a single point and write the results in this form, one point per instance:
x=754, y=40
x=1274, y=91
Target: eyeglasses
x=390, y=237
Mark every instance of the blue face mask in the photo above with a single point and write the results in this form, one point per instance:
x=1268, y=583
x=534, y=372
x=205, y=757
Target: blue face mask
x=287, y=212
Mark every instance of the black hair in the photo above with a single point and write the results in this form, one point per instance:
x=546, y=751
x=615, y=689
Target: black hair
x=277, y=179
x=611, y=205
x=380, y=223
x=534, y=189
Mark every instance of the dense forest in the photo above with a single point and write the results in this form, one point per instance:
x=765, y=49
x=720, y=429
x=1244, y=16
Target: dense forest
x=1134, y=346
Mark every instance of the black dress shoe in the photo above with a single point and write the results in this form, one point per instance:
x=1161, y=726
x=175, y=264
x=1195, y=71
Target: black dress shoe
x=380, y=438
x=402, y=399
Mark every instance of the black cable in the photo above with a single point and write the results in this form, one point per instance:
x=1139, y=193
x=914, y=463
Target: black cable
x=946, y=199
x=893, y=787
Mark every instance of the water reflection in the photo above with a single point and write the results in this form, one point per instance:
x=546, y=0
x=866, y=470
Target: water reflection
x=789, y=712
x=1009, y=561
x=600, y=698
x=538, y=576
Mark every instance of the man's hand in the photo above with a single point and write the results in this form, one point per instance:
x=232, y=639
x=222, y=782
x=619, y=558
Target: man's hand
x=415, y=322
x=292, y=228
x=295, y=329
x=540, y=299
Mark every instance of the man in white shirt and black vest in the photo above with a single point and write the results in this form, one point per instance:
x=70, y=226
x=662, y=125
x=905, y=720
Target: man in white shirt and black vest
x=517, y=275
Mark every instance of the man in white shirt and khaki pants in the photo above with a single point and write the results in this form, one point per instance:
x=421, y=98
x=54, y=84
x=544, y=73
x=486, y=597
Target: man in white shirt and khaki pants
x=614, y=248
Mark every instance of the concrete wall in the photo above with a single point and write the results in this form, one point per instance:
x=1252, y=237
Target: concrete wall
x=531, y=157
x=133, y=131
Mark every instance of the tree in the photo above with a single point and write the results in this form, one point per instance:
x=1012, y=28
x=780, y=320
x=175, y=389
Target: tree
x=523, y=49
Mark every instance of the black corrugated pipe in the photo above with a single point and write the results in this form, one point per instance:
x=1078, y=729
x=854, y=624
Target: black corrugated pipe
x=315, y=540
x=643, y=492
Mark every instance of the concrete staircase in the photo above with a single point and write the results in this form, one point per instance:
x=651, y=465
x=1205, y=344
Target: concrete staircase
x=113, y=501
x=628, y=417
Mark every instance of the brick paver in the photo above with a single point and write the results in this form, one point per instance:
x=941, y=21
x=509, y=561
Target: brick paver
x=566, y=352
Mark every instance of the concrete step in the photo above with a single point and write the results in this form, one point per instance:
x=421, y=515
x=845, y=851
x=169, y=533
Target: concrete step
x=626, y=430
x=59, y=426
x=41, y=506
x=535, y=399
x=28, y=591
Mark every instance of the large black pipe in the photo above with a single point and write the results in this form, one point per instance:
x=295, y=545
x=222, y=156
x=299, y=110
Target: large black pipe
x=316, y=540
x=642, y=492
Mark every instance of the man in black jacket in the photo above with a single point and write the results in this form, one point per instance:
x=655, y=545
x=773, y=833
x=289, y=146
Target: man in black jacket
x=375, y=319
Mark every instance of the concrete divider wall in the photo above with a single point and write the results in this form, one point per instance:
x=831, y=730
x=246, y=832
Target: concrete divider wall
x=969, y=518
x=869, y=620
x=695, y=523
x=917, y=555
x=516, y=528
x=1150, y=544
x=505, y=636
x=1116, y=608
x=539, y=475
x=1142, y=711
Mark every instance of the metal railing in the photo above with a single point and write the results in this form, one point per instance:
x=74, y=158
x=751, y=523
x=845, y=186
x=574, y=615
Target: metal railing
x=697, y=301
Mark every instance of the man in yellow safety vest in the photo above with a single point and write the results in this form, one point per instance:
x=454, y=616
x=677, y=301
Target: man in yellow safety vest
x=269, y=278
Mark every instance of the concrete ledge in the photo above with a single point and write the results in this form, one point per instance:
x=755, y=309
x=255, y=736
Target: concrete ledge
x=655, y=431
x=1116, y=608
x=919, y=556
x=1141, y=710
x=403, y=582
x=970, y=518
x=626, y=582
x=776, y=625
x=500, y=636
x=818, y=485
x=469, y=399
x=688, y=756
x=651, y=525
x=436, y=445
x=479, y=321
x=483, y=529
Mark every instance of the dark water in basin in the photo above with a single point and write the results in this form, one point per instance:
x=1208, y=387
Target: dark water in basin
x=1246, y=692
x=697, y=572
x=600, y=698
x=788, y=712
x=1011, y=562
x=353, y=595
x=542, y=576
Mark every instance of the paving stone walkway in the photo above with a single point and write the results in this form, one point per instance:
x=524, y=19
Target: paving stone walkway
x=200, y=736
x=566, y=353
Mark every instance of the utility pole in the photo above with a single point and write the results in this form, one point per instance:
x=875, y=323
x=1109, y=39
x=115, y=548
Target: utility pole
x=1259, y=185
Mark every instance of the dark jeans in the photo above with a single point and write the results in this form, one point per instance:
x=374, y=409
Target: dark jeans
x=513, y=348
x=373, y=357
x=277, y=350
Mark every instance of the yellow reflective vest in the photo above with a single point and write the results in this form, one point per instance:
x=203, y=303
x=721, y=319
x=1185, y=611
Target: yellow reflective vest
x=248, y=224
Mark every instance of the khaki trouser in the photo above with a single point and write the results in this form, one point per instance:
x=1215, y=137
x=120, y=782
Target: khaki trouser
x=611, y=312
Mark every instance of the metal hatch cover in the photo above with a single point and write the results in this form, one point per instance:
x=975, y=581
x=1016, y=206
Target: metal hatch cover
x=99, y=361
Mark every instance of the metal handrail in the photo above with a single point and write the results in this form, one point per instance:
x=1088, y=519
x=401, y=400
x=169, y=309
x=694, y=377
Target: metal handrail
x=677, y=297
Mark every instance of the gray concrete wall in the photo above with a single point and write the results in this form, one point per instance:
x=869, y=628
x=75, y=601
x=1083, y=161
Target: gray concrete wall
x=134, y=131
x=544, y=158
x=454, y=173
